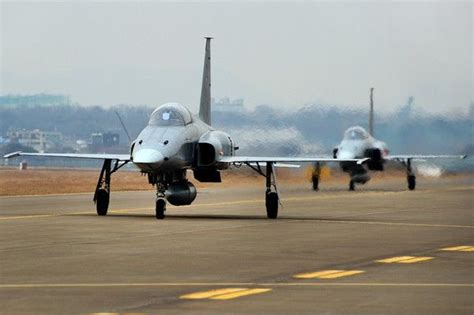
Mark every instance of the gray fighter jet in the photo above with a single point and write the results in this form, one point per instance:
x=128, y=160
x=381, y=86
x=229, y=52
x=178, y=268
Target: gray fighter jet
x=357, y=143
x=176, y=141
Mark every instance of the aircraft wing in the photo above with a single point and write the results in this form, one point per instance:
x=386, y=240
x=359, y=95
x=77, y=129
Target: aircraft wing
x=277, y=159
x=97, y=156
x=422, y=157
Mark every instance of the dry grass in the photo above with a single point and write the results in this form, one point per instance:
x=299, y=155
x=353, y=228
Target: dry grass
x=58, y=181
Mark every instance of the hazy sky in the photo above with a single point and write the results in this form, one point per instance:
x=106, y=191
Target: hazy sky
x=284, y=54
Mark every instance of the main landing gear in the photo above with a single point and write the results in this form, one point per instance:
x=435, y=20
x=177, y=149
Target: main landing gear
x=315, y=175
x=411, y=178
x=102, y=190
x=351, y=185
x=272, y=199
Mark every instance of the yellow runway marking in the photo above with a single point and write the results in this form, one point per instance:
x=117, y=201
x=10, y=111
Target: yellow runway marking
x=223, y=294
x=342, y=274
x=235, y=295
x=209, y=294
x=38, y=216
x=404, y=260
x=328, y=274
x=415, y=260
x=226, y=284
x=459, y=249
x=311, y=275
x=28, y=216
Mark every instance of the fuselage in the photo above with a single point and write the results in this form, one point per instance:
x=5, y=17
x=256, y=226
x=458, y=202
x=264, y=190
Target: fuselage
x=357, y=143
x=169, y=140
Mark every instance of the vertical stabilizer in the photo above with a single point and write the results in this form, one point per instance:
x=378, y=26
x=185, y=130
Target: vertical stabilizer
x=205, y=107
x=371, y=114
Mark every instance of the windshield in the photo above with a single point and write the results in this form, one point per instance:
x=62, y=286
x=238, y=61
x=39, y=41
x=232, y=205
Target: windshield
x=169, y=115
x=357, y=133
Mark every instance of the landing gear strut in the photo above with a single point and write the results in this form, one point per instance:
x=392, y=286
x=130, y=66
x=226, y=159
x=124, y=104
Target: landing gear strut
x=160, y=204
x=411, y=178
x=351, y=185
x=316, y=175
x=102, y=190
x=271, y=197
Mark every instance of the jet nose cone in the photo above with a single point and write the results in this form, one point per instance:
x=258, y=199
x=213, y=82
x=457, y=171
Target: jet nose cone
x=148, y=159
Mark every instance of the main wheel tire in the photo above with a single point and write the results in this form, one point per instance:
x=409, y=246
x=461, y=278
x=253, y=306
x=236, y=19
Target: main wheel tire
x=411, y=179
x=160, y=209
x=271, y=202
x=102, y=202
x=315, y=183
x=351, y=186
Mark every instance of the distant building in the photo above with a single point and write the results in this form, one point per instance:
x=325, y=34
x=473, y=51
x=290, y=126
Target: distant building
x=41, y=141
x=100, y=141
x=226, y=105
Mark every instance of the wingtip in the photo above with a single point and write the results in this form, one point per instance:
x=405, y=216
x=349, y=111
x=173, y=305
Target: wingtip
x=13, y=154
x=362, y=161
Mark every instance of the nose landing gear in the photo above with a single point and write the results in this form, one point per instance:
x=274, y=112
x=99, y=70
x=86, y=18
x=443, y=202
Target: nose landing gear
x=160, y=204
x=160, y=208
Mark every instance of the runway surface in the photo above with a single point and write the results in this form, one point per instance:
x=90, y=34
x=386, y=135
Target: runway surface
x=379, y=251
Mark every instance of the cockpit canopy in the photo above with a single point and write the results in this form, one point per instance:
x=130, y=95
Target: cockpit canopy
x=169, y=115
x=356, y=133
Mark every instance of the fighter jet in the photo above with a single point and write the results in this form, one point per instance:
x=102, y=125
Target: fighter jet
x=357, y=143
x=175, y=141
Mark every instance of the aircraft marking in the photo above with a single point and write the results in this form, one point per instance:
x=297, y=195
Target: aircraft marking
x=328, y=274
x=404, y=260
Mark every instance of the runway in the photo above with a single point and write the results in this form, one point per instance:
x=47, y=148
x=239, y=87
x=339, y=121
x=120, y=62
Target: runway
x=379, y=250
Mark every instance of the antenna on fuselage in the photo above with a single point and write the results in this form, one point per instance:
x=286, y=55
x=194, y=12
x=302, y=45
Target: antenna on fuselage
x=205, y=106
x=371, y=113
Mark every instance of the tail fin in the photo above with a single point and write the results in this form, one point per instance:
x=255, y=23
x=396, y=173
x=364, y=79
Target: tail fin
x=205, y=107
x=371, y=113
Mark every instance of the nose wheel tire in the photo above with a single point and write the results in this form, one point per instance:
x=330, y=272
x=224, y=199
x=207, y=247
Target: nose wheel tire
x=102, y=203
x=160, y=209
x=411, y=179
x=271, y=202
